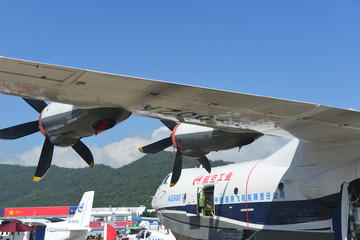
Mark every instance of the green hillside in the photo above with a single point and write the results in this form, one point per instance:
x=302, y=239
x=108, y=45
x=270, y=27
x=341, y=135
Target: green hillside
x=130, y=185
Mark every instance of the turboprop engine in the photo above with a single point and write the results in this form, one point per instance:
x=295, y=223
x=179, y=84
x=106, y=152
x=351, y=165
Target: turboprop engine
x=64, y=125
x=195, y=142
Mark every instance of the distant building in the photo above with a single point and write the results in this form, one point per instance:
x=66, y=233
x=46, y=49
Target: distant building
x=123, y=215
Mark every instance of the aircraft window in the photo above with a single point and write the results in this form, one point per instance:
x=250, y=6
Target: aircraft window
x=135, y=231
x=141, y=234
x=281, y=186
x=236, y=191
x=165, y=180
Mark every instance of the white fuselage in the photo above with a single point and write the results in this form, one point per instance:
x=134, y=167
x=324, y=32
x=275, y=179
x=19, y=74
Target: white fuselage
x=64, y=231
x=286, y=191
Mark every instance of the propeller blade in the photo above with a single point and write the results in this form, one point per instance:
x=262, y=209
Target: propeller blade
x=38, y=105
x=19, y=131
x=169, y=124
x=204, y=161
x=157, y=146
x=177, y=169
x=44, y=161
x=84, y=152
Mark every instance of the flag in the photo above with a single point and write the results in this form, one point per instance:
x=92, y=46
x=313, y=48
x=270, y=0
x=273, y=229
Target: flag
x=109, y=232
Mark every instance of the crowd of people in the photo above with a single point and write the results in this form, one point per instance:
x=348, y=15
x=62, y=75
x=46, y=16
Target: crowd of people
x=96, y=237
x=100, y=237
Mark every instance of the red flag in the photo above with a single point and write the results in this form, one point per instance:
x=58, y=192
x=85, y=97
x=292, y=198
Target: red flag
x=109, y=232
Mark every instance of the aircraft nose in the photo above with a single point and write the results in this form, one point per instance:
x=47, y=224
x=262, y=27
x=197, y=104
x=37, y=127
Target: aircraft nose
x=154, y=202
x=155, y=199
x=160, y=193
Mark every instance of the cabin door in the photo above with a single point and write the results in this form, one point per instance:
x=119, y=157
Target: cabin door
x=206, y=205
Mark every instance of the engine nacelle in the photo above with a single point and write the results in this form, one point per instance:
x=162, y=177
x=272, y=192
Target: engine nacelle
x=193, y=152
x=196, y=141
x=65, y=124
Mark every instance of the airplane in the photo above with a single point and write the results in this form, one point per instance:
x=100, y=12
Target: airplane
x=74, y=228
x=307, y=189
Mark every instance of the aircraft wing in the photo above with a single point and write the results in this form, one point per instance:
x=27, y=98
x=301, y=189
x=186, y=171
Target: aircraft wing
x=229, y=111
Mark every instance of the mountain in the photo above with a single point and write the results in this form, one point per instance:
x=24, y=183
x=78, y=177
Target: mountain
x=130, y=185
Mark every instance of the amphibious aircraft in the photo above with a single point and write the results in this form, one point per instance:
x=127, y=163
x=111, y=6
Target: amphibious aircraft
x=310, y=186
x=77, y=227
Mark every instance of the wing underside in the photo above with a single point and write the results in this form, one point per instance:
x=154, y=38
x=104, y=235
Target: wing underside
x=208, y=107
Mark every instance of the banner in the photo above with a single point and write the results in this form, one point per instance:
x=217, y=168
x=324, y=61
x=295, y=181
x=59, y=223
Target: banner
x=36, y=211
x=102, y=224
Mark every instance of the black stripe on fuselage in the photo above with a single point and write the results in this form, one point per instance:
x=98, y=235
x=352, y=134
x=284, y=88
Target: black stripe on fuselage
x=273, y=213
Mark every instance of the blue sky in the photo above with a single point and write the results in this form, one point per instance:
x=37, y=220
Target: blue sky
x=299, y=50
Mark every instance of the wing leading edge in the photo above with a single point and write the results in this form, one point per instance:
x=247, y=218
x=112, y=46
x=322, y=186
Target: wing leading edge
x=208, y=107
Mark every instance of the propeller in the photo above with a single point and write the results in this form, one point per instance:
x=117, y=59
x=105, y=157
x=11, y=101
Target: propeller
x=167, y=142
x=46, y=155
